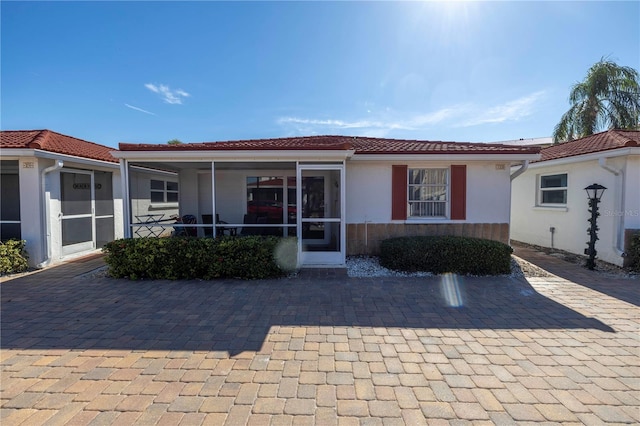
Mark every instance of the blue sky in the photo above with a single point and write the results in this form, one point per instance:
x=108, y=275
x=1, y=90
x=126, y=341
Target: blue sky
x=149, y=72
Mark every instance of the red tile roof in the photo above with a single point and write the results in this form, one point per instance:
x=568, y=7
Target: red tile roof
x=46, y=140
x=605, y=141
x=361, y=145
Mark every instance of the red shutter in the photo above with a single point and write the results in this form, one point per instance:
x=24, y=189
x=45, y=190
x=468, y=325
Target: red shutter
x=459, y=192
x=399, y=192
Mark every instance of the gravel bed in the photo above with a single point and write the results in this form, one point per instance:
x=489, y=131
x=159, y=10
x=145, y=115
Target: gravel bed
x=369, y=266
x=527, y=269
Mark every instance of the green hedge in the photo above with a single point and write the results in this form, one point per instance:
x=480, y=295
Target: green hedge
x=174, y=258
x=438, y=255
x=13, y=257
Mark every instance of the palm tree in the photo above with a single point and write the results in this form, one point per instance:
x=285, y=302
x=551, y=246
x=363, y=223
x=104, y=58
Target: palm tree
x=609, y=97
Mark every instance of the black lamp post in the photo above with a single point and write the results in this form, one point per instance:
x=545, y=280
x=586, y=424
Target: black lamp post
x=594, y=193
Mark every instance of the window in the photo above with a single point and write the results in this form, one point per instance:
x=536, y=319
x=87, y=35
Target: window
x=164, y=191
x=553, y=189
x=428, y=190
x=10, y=196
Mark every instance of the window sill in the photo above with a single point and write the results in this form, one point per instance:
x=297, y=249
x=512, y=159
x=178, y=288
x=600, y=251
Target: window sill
x=551, y=208
x=426, y=219
x=431, y=220
x=163, y=206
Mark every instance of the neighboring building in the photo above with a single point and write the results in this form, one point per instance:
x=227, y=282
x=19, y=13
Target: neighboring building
x=63, y=195
x=541, y=142
x=549, y=205
x=59, y=193
x=342, y=195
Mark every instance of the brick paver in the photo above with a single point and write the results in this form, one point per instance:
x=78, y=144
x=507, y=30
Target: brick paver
x=320, y=348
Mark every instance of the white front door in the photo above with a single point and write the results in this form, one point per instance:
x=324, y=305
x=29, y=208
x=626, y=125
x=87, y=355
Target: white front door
x=321, y=230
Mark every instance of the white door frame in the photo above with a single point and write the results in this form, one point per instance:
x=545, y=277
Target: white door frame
x=85, y=245
x=321, y=258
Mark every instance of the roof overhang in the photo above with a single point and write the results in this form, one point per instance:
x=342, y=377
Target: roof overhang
x=238, y=155
x=592, y=156
x=310, y=155
x=445, y=157
x=25, y=152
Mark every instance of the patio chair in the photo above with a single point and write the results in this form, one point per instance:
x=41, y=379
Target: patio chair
x=189, y=219
x=249, y=219
x=207, y=219
x=179, y=228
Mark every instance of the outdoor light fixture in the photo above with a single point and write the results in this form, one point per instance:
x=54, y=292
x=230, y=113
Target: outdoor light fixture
x=594, y=193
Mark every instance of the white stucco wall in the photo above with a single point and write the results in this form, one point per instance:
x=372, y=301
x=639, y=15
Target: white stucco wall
x=531, y=223
x=140, y=194
x=118, y=206
x=230, y=194
x=31, y=206
x=188, y=192
x=369, y=192
x=631, y=215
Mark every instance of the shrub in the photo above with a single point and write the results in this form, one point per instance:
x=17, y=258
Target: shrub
x=13, y=257
x=173, y=258
x=634, y=252
x=438, y=254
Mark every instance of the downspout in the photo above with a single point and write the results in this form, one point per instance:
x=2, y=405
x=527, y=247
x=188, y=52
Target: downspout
x=617, y=246
x=523, y=168
x=46, y=222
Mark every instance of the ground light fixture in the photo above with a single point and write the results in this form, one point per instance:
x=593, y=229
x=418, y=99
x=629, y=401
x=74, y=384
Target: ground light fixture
x=594, y=194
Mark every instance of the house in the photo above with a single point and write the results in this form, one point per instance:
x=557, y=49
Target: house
x=541, y=142
x=63, y=195
x=340, y=195
x=550, y=207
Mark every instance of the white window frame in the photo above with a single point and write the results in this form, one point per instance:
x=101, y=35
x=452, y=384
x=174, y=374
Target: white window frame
x=164, y=191
x=542, y=190
x=446, y=202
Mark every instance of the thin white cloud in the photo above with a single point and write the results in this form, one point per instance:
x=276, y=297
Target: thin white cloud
x=509, y=111
x=139, y=109
x=436, y=117
x=461, y=115
x=341, y=124
x=367, y=127
x=169, y=96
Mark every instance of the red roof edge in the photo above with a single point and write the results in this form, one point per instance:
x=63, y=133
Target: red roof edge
x=50, y=141
x=607, y=140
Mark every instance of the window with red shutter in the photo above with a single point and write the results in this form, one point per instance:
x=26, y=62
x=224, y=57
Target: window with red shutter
x=429, y=192
x=398, y=192
x=458, y=192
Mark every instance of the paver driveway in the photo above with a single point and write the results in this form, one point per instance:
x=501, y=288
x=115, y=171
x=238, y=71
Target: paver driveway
x=323, y=350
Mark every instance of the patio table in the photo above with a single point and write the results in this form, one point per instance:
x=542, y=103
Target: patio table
x=149, y=222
